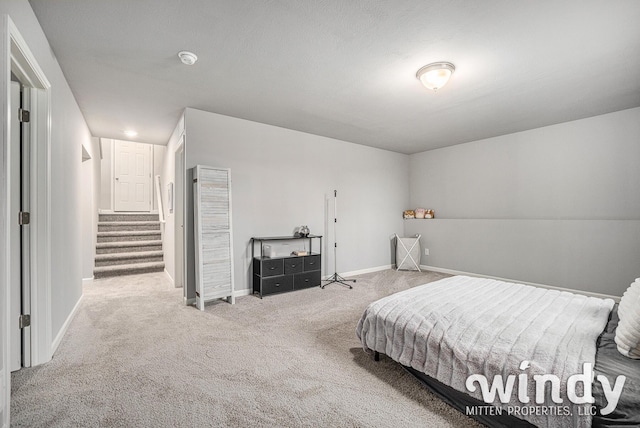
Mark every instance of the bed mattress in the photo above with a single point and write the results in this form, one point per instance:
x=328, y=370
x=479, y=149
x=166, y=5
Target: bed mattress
x=461, y=328
x=609, y=362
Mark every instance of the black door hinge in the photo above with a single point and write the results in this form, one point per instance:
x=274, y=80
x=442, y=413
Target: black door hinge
x=24, y=321
x=24, y=218
x=24, y=116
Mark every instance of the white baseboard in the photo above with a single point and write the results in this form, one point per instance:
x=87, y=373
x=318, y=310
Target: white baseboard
x=86, y=281
x=189, y=302
x=361, y=271
x=169, y=277
x=243, y=292
x=65, y=326
x=551, y=287
x=5, y=394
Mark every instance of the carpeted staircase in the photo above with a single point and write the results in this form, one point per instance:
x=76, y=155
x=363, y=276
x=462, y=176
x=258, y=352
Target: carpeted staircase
x=128, y=244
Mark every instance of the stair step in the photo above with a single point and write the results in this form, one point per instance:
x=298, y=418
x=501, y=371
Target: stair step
x=127, y=246
x=128, y=269
x=111, y=226
x=112, y=259
x=128, y=217
x=128, y=243
x=129, y=235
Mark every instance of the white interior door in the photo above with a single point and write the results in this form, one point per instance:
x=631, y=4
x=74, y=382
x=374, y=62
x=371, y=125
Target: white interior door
x=132, y=164
x=15, y=350
x=25, y=230
x=20, y=256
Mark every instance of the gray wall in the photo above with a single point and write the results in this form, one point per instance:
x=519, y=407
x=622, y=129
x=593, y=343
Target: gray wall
x=106, y=174
x=283, y=178
x=557, y=205
x=68, y=133
x=158, y=166
x=167, y=172
x=90, y=202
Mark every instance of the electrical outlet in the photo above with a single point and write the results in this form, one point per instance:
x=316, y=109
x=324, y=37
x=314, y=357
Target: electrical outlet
x=426, y=251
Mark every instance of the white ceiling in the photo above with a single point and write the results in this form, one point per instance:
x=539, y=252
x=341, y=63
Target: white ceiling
x=346, y=68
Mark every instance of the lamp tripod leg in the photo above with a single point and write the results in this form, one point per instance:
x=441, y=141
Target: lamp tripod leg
x=338, y=279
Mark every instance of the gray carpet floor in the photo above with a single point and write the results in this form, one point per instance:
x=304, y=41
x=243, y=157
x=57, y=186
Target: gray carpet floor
x=135, y=356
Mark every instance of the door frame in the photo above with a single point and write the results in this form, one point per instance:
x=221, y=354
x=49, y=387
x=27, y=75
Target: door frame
x=179, y=212
x=20, y=177
x=16, y=57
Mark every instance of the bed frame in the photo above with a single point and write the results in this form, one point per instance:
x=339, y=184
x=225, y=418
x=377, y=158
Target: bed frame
x=461, y=401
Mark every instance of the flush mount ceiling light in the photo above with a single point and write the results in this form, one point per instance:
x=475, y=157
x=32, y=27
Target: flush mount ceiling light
x=130, y=133
x=187, y=58
x=435, y=75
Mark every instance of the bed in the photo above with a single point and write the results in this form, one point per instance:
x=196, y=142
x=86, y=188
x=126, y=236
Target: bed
x=455, y=332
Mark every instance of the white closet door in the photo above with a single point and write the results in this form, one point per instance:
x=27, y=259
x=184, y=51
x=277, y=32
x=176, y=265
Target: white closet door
x=213, y=237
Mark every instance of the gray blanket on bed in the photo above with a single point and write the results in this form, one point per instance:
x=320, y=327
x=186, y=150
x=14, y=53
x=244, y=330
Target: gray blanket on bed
x=461, y=326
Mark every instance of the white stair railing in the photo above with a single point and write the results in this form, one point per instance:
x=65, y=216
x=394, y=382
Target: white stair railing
x=159, y=199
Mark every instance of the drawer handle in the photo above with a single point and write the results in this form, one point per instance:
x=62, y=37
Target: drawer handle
x=306, y=280
x=277, y=284
x=272, y=268
x=312, y=263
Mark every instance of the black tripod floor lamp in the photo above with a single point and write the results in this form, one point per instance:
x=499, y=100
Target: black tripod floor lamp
x=336, y=277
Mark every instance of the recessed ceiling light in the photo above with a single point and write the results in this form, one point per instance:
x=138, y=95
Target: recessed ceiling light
x=187, y=58
x=435, y=75
x=130, y=133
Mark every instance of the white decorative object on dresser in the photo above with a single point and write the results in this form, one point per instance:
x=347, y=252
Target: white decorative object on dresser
x=213, y=234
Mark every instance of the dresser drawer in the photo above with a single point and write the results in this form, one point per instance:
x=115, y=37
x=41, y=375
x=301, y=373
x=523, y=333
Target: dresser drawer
x=272, y=267
x=277, y=284
x=306, y=280
x=312, y=263
x=293, y=265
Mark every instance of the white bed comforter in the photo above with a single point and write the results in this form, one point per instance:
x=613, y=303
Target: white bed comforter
x=460, y=326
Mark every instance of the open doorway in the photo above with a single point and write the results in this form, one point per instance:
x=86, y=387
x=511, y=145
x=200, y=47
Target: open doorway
x=130, y=215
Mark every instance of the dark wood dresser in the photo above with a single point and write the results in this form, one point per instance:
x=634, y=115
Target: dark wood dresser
x=272, y=275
